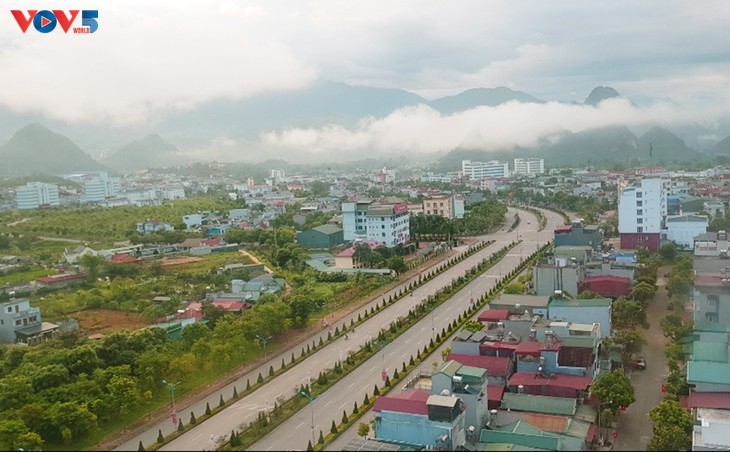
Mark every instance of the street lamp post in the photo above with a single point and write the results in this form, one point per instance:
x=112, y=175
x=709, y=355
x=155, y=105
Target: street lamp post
x=172, y=386
x=263, y=341
x=382, y=350
x=600, y=432
x=311, y=403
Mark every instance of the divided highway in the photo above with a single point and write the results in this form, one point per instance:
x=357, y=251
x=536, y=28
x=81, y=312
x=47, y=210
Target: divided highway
x=247, y=408
x=296, y=431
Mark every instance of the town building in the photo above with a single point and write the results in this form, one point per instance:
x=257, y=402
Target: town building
x=101, y=187
x=36, y=194
x=21, y=323
x=711, y=244
x=152, y=226
x=641, y=212
x=682, y=229
x=419, y=418
x=578, y=235
x=529, y=166
x=322, y=237
x=447, y=206
x=466, y=382
x=484, y=170
x=384, y=221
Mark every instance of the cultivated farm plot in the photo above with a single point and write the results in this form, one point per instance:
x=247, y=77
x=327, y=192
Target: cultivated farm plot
x=107, y=321
x=179, y=261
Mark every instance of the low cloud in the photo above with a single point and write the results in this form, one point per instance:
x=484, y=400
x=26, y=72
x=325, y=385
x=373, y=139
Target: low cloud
x=145, y=60
x=421, y=129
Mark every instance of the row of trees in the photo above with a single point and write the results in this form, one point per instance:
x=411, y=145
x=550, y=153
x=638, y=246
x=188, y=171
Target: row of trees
x=479, y=218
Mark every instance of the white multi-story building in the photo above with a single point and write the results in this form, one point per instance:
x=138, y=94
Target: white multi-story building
x=19, y=322
x=36, y=194
x=383, y=222
x=172, y=193
x=388, y=223
x=529, y=166
x=354, y=220
x=641, y=212
x=100, y=188
x=484, y=170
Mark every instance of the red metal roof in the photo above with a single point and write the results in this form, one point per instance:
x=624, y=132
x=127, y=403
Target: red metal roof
x=547, y=422
x=412, y=401
x=495, y=393
x=563, y=229
x=591, y=433
x=493, y=315
x=499, y=366
x=560, y=381
x=719, y=400
x=59, y=278
x=124, y=258
x=529, y=348
x=611, y=278
x=229, y=305
x=497, y=345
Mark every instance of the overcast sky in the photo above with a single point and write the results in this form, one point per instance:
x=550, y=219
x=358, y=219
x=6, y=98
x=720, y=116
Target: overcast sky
x=150, y=57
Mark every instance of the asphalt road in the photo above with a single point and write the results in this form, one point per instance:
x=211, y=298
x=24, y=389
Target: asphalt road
x=246, y=409
x=297, y=430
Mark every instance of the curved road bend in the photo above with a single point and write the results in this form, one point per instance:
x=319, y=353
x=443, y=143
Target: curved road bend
x=247, y=408
x=296, y=431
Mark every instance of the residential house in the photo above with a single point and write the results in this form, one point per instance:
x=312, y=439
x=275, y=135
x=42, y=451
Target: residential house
x=586, y=311
x=60, y=281
x=466, y=382
x=534, y=304
x=419, y=418
x=152, y=226
x=447, y=206
x=712, y=430
x=712, y=244
x=682, y=229
x=21, y=323
x=72, y=256
x=578, y=235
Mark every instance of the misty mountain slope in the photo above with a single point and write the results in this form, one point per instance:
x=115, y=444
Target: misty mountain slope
x=723, y=147
x=320, y=104
x=478, y=97
x=36, y=149
x=599, y=94
x=151, y=151
x=666, y=147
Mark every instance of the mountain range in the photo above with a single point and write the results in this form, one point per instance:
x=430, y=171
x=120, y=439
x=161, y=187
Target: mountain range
x=46, y=149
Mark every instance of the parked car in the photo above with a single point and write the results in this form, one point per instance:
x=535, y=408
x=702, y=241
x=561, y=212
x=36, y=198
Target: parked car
x=639, y=363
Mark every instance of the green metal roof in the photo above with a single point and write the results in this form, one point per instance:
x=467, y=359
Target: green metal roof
x=473, y=372
x=580, y=341
x=590, y=227
x=686, y=219
x=708, y=372
x=543, y=442
x=327, y=229
x=710, y=351
x=449, y=368
x=580, y=303
x=585, y=413
x=578, y=429
x=539, y=404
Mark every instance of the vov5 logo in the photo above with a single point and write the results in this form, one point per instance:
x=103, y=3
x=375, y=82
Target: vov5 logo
x=45, y=21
